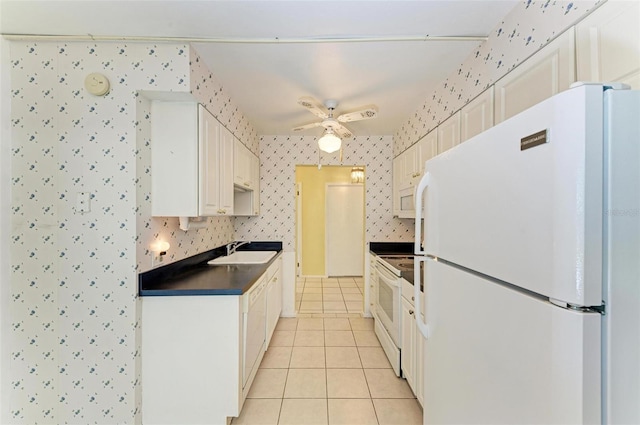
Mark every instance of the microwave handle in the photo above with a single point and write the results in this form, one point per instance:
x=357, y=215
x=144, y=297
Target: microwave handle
x=422, y=186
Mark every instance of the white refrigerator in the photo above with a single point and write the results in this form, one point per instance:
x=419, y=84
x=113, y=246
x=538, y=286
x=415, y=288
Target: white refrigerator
x=532, y=267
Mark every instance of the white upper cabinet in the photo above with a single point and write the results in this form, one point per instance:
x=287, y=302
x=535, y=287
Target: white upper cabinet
x=477, y=115
x=449, y=133
x=410, y=170
x=225, y=175
x=548, y=72
x=608, y=44
x=428, y=148
x=191, y=162
x=242, y=165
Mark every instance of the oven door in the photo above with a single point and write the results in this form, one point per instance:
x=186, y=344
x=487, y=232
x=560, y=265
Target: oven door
x=388, y=302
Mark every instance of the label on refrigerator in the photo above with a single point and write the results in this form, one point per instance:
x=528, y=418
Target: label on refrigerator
x=536, y=139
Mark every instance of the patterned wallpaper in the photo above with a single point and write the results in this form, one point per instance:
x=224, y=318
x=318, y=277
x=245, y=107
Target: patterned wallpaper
x=529, y=27
x=279, y=156
x=75, y=317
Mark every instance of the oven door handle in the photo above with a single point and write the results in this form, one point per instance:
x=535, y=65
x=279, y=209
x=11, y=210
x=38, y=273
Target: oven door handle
x=383, y=274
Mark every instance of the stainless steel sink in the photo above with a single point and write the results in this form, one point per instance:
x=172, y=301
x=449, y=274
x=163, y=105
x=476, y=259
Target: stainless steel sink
x=244, y=257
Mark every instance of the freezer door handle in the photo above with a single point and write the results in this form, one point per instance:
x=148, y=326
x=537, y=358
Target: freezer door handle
x=422, y=186
x=417, y=313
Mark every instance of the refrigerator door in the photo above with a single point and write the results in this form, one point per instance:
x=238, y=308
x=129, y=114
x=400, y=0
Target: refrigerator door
x=497, y=356
x=622, y=251
x=522, y=202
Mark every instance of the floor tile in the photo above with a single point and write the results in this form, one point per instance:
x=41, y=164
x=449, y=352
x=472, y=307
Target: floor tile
x=312, y=290
x=309, y=339
x=352, y=297
x=276, y=358
x=351, y=412
x=310, y=306
x=337, y=324
x=346, y=383
x=373, y=358
x=334, y=306
x=310, y=324
x=332, y=297
x=287, y=324
x=342, y=357
x=348, y=285
x=346, y=280
x=304, y=412
x=282, y=338
x=311, y=297
x=361, y=323
x=268, y=383
x=339, y=339
x=351, y=291
x=313, y=284
x=307, y=358
x=354, y=306
x=306, y=383
x=330, y=285
x=366, y=339
x=259, y=412
x=383, y=383
x=398, y=411
x=331, y=291
x=323, y=315
x=330, y=280
x=312, y=279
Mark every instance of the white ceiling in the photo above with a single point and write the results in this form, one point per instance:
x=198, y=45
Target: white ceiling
x=265, y=80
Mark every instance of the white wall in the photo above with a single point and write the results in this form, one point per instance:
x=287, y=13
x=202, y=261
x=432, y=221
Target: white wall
x=5, y=176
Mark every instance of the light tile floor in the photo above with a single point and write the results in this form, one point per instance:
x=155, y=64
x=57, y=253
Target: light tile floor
x=331, y=371
x=329, y=295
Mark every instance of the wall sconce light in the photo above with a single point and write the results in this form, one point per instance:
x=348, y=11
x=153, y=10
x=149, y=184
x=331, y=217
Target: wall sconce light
x=158, y=249
x=357, y=175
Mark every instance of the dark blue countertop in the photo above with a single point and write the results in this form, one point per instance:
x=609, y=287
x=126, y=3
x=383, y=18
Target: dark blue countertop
x=193, y=276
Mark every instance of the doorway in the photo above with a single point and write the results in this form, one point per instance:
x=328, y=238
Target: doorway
x=330, y=264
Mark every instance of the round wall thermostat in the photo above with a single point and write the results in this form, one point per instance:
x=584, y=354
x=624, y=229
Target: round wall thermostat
x=96, y=84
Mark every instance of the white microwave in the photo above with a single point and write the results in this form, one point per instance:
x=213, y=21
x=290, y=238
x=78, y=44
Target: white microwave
x=407, y=203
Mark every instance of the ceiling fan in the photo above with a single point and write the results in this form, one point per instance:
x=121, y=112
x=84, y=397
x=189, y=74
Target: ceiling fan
x=331, y=140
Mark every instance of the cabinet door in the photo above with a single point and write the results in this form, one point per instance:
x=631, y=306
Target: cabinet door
x=407, y=354
x=428, y=148
x=477, y=115
x=608, y=44
x=449, y=133
x=419, y=362
x=397, y=177
x=548, y=72
x=226, y=171
x=242, y=165
x=409, y=167
x=255, y=182
x=209, y=158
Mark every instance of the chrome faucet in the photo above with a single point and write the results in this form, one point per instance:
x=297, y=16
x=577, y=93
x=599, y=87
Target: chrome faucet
x=232, y=246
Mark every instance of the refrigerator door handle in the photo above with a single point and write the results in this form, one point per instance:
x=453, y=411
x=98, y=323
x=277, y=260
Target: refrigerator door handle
x=422, y=186
x=422, y=326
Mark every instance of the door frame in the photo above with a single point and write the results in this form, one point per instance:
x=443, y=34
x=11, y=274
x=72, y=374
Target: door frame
x=299, y=229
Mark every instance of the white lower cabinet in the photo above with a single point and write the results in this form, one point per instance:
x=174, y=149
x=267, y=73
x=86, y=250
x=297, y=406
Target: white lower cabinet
x=412, y=353
x=274, y=297
x=194, y=349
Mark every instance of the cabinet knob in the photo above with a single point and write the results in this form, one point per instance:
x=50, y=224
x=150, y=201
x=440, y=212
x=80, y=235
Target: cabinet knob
x=411, y=312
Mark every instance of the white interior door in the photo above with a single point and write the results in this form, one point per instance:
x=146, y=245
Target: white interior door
x=344, y=248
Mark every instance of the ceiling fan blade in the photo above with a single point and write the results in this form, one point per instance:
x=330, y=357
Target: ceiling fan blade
x=342, y=131
x=315, y=107
x=367, y=112
x=307, y=126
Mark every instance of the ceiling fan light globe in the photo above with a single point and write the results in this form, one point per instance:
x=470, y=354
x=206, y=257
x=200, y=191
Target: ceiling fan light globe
x=329, y=143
